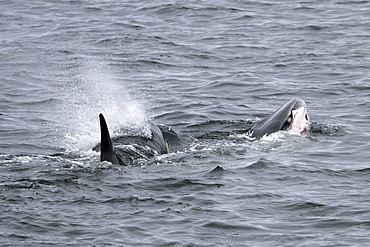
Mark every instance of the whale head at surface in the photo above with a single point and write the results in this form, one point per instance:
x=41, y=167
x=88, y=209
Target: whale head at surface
x=292, y=116
x=298, y=120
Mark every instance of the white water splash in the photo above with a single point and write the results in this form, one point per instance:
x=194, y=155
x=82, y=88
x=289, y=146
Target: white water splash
x=96, y=90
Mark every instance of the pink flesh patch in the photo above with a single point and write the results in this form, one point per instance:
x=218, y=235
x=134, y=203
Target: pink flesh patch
x=299, y=122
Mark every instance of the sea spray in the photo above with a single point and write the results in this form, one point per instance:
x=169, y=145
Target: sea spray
x=94, y=90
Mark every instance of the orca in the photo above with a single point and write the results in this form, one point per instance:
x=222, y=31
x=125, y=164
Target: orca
x=124, y=150
x=292, y=116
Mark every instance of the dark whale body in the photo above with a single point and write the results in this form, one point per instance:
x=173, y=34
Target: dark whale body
x=291, y=116
x=124, y=150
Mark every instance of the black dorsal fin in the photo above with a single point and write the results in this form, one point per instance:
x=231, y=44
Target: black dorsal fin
x=106, y=153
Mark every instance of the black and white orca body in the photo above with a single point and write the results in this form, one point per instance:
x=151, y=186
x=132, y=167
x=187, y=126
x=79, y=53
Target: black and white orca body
x=124, y=150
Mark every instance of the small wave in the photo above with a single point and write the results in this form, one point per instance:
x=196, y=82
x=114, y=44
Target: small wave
x=304, y=205
x=260, y=163
x=325, y=130
x=230, y=226
x=215, y=172
x=175, y=183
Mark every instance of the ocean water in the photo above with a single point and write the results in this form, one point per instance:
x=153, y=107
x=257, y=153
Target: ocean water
x=205, y=71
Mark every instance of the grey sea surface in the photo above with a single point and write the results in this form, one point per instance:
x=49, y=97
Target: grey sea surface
x=205, y=71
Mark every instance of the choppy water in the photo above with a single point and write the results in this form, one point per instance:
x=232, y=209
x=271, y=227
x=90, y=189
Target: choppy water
x=207, y=70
